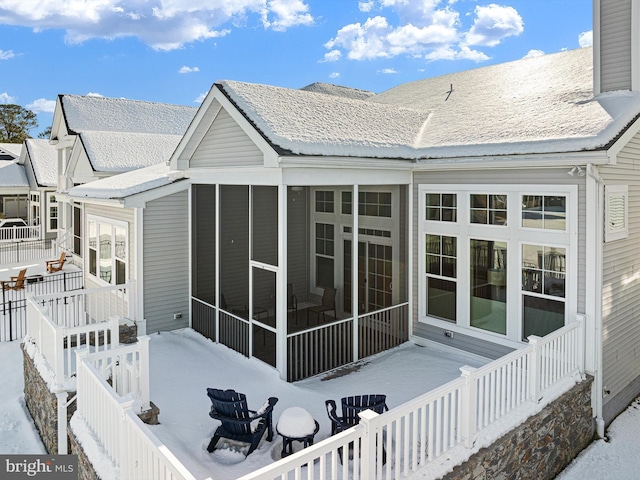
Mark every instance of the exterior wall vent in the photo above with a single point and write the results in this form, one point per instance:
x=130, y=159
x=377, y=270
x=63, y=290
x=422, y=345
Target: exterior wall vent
x=616, y=206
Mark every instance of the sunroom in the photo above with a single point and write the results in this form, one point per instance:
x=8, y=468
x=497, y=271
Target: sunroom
x=263, y=256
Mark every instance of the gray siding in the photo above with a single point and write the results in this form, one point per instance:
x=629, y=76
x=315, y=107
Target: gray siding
x=298, y=243
x=226, y=144
x=166, y=262
x=615, y=47
x=492, y=177
x=621, y=290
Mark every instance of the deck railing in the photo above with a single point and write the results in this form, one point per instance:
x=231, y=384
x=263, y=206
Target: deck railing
x=14, y=252
x=109, y=412
x=18, y=234
x=60, y=323
x=407, y=438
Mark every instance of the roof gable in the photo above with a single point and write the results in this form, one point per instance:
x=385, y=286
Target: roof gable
x=43, y=159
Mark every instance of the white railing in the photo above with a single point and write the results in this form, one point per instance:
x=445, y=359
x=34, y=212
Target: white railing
x=17, y=234
x=131, y=447
x=411, y=436
x=59, y=323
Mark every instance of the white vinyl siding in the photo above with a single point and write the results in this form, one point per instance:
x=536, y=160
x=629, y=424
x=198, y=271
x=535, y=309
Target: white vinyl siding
x=621, y=284
x=225, y=143
x=166, y=262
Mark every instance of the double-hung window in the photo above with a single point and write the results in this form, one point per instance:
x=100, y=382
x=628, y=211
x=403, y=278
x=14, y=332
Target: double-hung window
x=107, y=247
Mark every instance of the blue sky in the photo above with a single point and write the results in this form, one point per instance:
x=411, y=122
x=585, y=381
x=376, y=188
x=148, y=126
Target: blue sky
x=173, y=50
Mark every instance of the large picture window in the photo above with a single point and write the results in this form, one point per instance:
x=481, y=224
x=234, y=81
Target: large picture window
x=107, y=246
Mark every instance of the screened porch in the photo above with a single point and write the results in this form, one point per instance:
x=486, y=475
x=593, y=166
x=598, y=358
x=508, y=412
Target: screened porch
x=277, y=272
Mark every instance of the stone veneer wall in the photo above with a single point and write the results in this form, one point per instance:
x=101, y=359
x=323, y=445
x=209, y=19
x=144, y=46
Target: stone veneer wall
x=541, y=447
x=42, y=404
x=85, y=469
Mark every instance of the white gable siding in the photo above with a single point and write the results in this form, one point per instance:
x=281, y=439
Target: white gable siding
x=122, y=215
x=621, y=290
x=615, y=47
x=166, y=262
x=492, y=177
x=226, y=144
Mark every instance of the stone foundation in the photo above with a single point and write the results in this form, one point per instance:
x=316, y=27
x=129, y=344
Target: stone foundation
x=542, y=446
x=85, y=469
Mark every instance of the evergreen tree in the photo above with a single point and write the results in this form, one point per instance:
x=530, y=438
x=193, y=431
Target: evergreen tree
x=15, y=123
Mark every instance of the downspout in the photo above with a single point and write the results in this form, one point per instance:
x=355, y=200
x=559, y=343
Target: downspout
x=595, y=194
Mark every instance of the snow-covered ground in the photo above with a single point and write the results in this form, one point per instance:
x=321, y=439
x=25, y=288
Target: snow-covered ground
x=179, y=390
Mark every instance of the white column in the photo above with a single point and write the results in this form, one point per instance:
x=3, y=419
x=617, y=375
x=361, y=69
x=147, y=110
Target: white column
x=281, y=285
x=354, y=272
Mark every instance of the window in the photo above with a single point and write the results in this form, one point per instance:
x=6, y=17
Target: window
x=489, y=209
x=504, y=283
x=324, y=254
x=441, y=207
x=440, y=265
x=324, y=201
x=108, y=246
x=543, y=289
x=34, y=211
x=616, y=212
x=347, y=203
x=547, y=212
x=52, y=209
x=374, y=204
x=77, y=230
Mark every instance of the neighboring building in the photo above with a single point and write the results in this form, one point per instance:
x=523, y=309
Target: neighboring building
x=95, y=138
x=40, y=161
x=14, y=186
x=492, y=204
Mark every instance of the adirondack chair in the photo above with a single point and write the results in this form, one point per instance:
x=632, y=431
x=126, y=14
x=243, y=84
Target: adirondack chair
x=56, y=265
x=238, y=422
x=351, y=406
x=18, y=281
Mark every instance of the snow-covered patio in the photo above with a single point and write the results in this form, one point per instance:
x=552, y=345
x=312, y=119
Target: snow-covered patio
x=184, y=364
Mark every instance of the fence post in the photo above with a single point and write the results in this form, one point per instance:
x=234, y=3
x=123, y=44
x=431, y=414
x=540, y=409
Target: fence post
x=143, y=372
x=469, y=404
x=367, y=447
x=62, y=422
x=534, y=369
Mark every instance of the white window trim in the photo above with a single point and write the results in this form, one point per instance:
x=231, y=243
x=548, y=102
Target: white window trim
x=515, y=235
x=619, y=231
x=114, y=223
x=48, y=212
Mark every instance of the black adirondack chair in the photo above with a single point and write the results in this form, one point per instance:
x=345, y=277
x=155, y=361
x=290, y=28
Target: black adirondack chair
x=230, y=407
x=351, y=406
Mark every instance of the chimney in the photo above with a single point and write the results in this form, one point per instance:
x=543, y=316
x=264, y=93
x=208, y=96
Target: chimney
x=616, y=45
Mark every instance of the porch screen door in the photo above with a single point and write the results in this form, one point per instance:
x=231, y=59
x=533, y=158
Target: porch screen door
x=374, y=276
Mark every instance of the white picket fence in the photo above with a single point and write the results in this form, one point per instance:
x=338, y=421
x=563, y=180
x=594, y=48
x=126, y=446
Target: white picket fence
x=59, y=323
x=407, y=438
x=109, y=411
x=17, y=234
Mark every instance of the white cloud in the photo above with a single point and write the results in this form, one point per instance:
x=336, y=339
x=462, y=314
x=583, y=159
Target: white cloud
x=585, y=39
x=534, y=53
x=185, y=69
x=365, y=6
x=493, y=24
x=200, y=97
x=94, y=94
x=6, y=98
x=6, y=54
x=334, y=75
x=430, y=29
x=163, y=24
x=388, y=71
x=42, y=105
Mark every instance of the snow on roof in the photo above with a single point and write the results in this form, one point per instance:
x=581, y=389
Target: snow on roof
x=317, y=124
x=89, y=113
x=537, y=105
x=129, y=183
x=338, y=90
x=12, y=149
x=121, y=152
x=12, y=174
x=44, y=160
